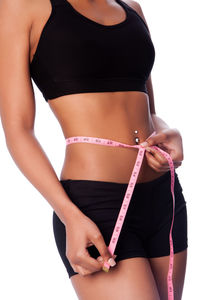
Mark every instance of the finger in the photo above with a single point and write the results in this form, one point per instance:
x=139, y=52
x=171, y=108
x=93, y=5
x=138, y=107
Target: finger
x=89, y=244
x=111, y=260
x=176, y=163
x=167, y=167
x=160, y=156
x=163, y=161
x=88, y=262
x=74, y=267
x=102, y=248
x=100, y=259
x=176, y=166
x=155, y=163
x=82, y=271
x=157, y=155
x=162, y=169
x=159, y=137
x=158, y=169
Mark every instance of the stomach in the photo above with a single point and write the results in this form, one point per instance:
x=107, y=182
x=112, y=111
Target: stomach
x=110, y=115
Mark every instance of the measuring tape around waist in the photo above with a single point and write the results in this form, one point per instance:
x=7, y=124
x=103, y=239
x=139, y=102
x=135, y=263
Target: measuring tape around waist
x=129, y=192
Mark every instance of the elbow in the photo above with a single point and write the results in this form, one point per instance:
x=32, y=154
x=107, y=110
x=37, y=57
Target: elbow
x=14, y=133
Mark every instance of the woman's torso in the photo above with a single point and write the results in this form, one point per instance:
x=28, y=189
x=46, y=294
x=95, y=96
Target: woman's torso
x=112, y=115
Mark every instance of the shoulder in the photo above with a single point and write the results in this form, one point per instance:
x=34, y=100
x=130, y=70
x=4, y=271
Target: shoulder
x=134, y=4
x=137, y=7
x=16, y=13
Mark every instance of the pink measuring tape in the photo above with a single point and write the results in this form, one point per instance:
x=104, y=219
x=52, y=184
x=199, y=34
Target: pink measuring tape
x=128, y=195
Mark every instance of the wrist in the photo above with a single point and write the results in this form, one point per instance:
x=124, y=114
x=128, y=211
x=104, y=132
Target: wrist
x=68, y=213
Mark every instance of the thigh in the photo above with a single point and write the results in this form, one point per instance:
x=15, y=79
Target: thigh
x=158, y=246
x=129, y=279
x=160, y=265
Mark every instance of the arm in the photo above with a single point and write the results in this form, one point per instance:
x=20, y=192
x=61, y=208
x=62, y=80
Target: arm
x=17, y=108
x=169, y=139
x=159, y=124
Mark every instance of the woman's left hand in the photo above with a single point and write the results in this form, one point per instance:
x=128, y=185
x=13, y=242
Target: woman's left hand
x=170, y=141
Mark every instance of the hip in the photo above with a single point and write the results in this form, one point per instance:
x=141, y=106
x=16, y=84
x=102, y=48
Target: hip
x=150, y=202
x=114, y=168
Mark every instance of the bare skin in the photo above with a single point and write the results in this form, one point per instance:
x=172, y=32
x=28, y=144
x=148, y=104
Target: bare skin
x=113, y=115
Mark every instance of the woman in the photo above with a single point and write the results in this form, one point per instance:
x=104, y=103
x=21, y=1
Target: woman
x=92, y=61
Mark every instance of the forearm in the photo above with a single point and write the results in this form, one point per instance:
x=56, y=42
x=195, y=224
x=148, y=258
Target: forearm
x=36, y=167
x=158, y=123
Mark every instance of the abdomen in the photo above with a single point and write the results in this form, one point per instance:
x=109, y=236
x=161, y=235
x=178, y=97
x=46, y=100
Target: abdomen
x=115, y=116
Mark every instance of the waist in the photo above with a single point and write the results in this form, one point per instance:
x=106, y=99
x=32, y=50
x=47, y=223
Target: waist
x=97, y=162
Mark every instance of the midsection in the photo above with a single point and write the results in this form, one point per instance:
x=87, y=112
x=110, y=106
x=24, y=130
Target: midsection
x=110, y=115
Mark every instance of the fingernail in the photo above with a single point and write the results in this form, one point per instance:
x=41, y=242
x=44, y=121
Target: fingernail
x=100, y=258
x=148, y=149
x=106, y=267
x=111, y=262
x=144, y=144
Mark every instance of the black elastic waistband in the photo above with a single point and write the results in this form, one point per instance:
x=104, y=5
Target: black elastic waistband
x=147, y=184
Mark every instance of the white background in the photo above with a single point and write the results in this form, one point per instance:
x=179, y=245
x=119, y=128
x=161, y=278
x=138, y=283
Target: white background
x=30, y=266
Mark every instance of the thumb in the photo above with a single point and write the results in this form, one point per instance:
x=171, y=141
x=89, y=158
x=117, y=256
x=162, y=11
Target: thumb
x=102, y=248
x=154, y=140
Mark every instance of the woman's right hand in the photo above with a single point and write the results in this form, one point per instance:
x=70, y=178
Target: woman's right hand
x=82, y=232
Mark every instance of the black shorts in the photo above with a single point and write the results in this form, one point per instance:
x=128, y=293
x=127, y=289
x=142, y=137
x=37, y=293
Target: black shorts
x=146, y=228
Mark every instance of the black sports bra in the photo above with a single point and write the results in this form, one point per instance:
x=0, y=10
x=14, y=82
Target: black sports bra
x=78, y=55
